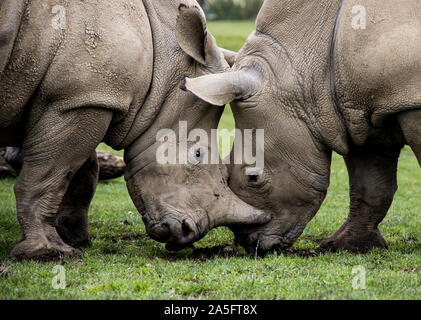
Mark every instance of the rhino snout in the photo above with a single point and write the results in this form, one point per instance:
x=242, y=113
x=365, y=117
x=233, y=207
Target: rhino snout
x=174, y=231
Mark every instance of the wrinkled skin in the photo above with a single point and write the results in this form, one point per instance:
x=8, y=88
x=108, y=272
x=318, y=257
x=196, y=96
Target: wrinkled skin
x=110, y=73
x=317, y=85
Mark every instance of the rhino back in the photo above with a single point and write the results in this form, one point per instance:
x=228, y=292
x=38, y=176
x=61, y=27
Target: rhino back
x=73, y=54
x=28, y=56
x=377, y=69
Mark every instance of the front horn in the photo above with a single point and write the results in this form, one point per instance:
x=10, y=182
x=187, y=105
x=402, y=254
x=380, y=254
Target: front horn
x=222, y=88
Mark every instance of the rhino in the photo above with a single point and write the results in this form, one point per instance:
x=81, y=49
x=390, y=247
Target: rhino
x=74, y=74
x=323, y=76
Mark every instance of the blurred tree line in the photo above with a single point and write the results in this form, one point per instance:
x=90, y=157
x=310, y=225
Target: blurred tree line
x=231, y=9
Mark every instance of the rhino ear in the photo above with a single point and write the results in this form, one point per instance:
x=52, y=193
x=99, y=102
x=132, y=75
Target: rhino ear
x=193, y=37
x=223, y=88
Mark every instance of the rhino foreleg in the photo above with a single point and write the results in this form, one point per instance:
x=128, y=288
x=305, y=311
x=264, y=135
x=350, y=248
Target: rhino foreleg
x=72, y=221
x=372, y=176
x=410, y=123
x=56, y=147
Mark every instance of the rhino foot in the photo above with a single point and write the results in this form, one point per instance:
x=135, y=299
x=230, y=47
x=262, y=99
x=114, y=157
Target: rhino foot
x=358, y=242
x=43, y=250
x=78, y=238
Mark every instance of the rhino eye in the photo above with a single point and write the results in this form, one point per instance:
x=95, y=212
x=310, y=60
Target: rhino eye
x=198, y=153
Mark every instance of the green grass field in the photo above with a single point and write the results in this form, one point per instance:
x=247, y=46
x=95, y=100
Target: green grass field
x=124, y=263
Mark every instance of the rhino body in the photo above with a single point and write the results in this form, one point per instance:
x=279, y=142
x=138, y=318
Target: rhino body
x=323, y=76
x=74, y=74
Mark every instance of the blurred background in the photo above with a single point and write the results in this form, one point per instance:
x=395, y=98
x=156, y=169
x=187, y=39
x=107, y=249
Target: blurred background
x=231, y=9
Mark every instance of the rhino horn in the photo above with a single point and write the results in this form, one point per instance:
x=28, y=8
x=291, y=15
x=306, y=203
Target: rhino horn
x=234, y=211
x=223, y=88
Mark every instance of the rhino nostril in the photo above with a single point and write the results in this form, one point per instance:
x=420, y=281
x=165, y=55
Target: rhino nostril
x=159, y=232
x=176, y=232
x=188, y=227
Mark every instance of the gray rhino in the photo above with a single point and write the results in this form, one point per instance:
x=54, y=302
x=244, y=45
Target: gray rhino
x=75, y=73
x=323, y=76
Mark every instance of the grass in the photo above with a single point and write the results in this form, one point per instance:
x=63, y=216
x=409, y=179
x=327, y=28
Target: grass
x=231, y=35
x=124, y=263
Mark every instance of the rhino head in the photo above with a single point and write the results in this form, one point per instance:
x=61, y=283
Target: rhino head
x=182, y=199
x=264, y=93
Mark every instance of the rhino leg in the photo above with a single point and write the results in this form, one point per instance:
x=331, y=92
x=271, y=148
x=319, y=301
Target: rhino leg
x=372, y=174
x=410, y=123
x=56, y=147
x=72, y=221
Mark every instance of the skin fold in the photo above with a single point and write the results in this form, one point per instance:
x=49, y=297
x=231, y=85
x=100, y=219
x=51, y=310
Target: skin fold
x=317, y=83
x=76, y=73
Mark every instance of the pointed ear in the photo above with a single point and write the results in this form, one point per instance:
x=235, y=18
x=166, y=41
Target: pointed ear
x=223, y=88
x=193, y=37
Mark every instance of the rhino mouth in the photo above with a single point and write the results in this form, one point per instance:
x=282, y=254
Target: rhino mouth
x=261, y=242
x=177, y=233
